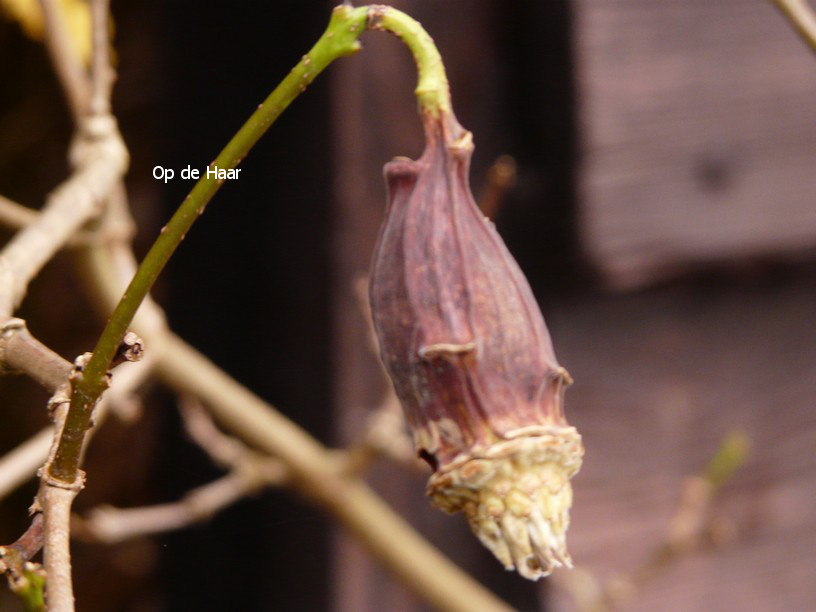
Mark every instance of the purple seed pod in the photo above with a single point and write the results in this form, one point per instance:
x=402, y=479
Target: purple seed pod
x=470, y=357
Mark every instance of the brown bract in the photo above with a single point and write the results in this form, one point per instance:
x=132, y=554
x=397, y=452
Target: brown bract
x=466, y=347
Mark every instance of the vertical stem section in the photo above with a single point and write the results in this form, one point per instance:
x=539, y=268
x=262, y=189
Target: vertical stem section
x=56, y=551
x=67, y=63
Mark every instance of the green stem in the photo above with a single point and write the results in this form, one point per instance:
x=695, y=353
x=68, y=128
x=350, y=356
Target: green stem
x=339, y=39
x=432, y=89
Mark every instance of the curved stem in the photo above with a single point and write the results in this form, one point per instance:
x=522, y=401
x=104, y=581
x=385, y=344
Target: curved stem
x=432, y=91
x=339, y=39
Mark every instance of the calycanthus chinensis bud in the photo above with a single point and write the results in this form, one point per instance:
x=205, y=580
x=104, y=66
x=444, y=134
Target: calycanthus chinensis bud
x=467, y=350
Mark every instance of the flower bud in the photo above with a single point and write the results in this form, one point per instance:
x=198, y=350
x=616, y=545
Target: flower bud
x=467, y=350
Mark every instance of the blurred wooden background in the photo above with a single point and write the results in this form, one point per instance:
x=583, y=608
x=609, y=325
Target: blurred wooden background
x=663, y=212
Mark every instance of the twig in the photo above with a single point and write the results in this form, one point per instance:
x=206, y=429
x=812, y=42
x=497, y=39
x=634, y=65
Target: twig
x=66, y=61
x=54, y=500
x=13, y=556
x=21, y=352
x=225, y=451
x=387, y=435
x=112, y=525
x=59, y=487
x=249, y=472
x=802, y=18
x=101, y=160
x=16, y=216
x=500, y=178
x=56, y=503
x=25, y=578
x=686, y=532
x=102, y=74
x=18, y=466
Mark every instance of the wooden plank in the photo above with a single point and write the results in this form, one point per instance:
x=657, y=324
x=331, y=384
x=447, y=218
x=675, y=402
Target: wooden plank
x=660, y=378
x=698, y=125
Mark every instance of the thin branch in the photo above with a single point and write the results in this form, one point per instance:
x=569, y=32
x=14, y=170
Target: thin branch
x=13, y=556
x=66, y=61
x=101, y=160
x=21, y=352
x=102, y=74
x=112, y=525
x=56, y=502
x=14, y=215
x=802, y=17
x=18, y=466
x=500, y=178
x=25, y=578
x=249, y=472
x=687, y=531
x=226, y=451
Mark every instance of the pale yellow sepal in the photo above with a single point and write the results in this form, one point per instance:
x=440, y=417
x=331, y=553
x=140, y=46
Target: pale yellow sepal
x=516, y=496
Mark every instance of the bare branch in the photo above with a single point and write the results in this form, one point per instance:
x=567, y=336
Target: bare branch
x=250, y=472
x=101, y=160
x=18, y=466
x=67, y=65
x=500, y=178
x=224, y=450
x=14, y=215
x=802, y=17
x=21, y=352
x=111, y=525
x=102, y=74
x=690, y=527
x=56, y=503
x=13, y=556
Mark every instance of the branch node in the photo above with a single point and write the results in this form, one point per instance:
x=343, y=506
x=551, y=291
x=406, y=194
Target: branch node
x=49, y=481
x=8, y=328
x=61, y=397
x=131, y=349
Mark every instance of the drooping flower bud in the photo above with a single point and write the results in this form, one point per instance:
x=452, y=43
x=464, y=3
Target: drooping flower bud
x=471, y=360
